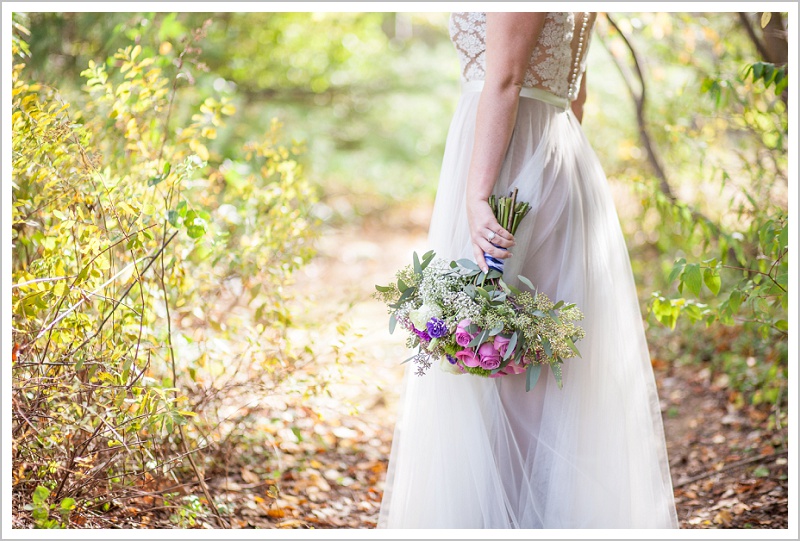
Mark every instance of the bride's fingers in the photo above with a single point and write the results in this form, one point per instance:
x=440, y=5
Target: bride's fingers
x=501, y=235
x=492, y=250
x=500, y=240
x=479, y=258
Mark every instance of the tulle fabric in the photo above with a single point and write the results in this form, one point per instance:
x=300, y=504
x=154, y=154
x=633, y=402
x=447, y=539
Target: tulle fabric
x=470, y=452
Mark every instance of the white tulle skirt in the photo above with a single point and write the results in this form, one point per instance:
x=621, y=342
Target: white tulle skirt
x=470, y=452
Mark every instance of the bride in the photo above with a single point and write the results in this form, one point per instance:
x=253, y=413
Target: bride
x=472, y=452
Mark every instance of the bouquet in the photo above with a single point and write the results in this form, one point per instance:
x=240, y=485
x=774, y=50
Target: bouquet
x=474, y=322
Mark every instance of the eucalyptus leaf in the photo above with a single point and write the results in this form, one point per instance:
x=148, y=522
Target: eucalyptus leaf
x=493, y=273
x=480, y=339
x=512, y=343
x=469, y=289
x=468, y=264
x=548, y=350
x=556, y=369
x=526, y=282
x=532, y=375
x=406, y=294
x=426, y=259
x=572, y=346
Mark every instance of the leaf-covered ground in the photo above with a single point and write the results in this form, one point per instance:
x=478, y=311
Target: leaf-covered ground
x=327, y=457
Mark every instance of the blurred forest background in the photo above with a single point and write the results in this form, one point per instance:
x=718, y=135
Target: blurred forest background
x=203, y=202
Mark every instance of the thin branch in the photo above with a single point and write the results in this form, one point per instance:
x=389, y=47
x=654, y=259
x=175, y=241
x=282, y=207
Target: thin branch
x=639, y=100
x=171, y=350
x=126, y=292
x=731, y=466
x=37, y=280
x=751, y=33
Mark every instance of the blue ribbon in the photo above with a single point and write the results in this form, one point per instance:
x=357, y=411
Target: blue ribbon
x=493, y=262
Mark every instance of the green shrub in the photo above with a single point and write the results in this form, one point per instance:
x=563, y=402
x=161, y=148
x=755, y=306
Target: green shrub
x=149, y=275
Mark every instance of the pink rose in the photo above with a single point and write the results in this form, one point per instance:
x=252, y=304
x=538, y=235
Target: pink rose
x=468, y=357
x=463, y=338
x=513, y=368
x=489, y=356
x=501, y=344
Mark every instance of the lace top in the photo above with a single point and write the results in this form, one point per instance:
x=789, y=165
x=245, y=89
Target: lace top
x=553, y=65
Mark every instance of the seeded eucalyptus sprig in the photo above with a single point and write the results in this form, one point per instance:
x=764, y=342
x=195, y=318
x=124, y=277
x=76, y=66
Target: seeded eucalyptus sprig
x=508, y=211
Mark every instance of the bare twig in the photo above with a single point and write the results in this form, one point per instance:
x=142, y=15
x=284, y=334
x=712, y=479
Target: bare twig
x=751, y=33
x=171, y=351
x=154, y=257
x=639, y=100
x=731, y=466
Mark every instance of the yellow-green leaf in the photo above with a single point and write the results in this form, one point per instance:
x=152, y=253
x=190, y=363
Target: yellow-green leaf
x=712, y=280
x=692, y=277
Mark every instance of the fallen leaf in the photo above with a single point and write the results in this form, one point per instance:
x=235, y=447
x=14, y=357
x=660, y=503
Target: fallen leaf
x=761, y=471
x=276, y=513
x=249, y=477
x=724, y=518
x=293, y=523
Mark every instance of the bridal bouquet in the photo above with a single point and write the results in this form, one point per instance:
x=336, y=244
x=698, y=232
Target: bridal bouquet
x=474, y=322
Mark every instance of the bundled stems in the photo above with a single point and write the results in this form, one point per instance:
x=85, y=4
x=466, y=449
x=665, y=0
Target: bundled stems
x=508, y=211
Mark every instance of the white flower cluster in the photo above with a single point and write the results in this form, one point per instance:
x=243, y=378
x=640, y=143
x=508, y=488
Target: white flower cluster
x=465, y=307
x=441, y=287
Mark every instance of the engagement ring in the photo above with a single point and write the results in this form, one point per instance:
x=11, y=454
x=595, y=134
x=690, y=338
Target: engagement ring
x=490, y=236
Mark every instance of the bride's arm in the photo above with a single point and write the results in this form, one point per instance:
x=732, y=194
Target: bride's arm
x=510, y=39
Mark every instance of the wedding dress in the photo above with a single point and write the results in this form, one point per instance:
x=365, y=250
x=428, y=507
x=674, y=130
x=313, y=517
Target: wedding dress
x=472, y=452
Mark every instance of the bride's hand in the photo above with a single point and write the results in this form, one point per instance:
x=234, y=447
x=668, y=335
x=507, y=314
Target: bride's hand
x=482, y=223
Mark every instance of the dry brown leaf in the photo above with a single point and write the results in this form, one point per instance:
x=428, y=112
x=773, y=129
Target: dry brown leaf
x=249, y=477
x=740, y=508
x=724, y=518
x=293, y=523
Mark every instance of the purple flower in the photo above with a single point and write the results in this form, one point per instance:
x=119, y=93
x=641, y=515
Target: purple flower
x=451, y=359
x=422, y=334
x=436, y=328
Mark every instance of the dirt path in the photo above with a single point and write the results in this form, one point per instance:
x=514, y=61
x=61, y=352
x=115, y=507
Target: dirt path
x=329, y=452
x=739, y=457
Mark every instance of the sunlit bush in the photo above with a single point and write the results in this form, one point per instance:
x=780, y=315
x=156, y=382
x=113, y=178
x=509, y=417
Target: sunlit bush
x=149, y=275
